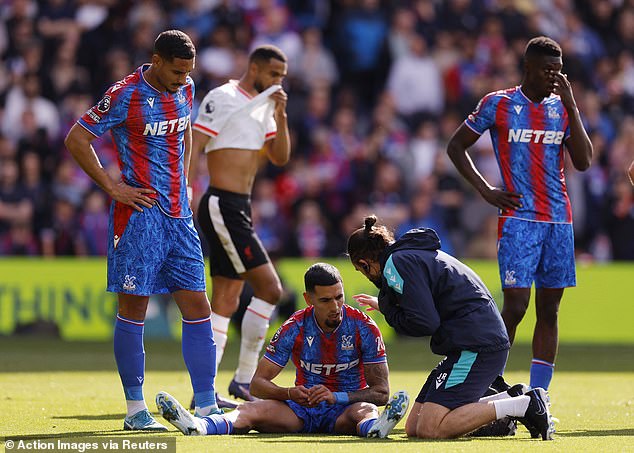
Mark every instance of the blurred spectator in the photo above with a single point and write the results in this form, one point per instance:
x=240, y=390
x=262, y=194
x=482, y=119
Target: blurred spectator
x=37, y=191
x=25, y=100
x=63, y=238
x=311, y=231
x=275, y=30
x=15, y=205
x=620, y=219
x=94, y=223
x=19, y=240
x=361, y=48
x=424, y=213
x=316, y=65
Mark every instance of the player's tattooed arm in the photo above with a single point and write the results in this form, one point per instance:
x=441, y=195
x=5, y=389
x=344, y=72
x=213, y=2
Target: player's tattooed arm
x=378, y=390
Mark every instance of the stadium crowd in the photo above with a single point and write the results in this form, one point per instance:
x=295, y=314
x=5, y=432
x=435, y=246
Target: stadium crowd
x=375, y=89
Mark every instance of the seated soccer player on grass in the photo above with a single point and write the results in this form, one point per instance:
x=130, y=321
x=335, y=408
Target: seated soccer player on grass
x=341, y=374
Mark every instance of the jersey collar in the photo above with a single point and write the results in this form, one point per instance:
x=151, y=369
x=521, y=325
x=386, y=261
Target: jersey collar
x=144, y=67
x=236, y=83
x=343, y=318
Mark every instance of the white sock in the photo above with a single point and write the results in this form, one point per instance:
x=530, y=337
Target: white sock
x=135, y=406
x=514, y=407
x=495, y=396
x=220, y=326
x=254, y=326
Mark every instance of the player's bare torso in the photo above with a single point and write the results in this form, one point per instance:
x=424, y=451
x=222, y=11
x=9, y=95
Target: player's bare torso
x=233, y=169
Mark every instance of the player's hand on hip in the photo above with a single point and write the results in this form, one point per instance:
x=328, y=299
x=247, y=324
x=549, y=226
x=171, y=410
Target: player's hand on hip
x=320, y=393
x=365, y=300
x=133, y=196
x=502, y=199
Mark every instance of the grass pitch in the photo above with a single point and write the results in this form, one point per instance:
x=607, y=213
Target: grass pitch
x=71, y=390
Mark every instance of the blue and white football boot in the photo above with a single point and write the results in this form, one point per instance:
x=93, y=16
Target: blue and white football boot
x=394, y=411
x=142, y=421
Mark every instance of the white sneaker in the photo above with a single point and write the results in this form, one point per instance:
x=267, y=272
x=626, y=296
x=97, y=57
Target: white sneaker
x=177, y=415
x=392, y=414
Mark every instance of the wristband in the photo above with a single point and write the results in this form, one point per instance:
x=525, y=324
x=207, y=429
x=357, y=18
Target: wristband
x=341, y=397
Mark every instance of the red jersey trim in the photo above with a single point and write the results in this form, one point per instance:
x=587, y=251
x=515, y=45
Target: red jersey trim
x=205, y=130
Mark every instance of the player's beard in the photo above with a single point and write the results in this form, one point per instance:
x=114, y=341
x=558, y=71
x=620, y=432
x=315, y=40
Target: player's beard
x=258, y=86
x=333, y=323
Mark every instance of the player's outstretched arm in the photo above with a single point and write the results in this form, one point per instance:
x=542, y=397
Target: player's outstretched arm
x=78, y=143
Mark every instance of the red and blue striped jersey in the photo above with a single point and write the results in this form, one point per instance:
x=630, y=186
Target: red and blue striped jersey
x=528, y=138
x=148, y=128
x=334, y=359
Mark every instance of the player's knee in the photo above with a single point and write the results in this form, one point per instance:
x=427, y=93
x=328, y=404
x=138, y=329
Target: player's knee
x=367, y=410
x=514, y=310
x=427, y=432
x=225, y=306
x=547, y=317
x=250, y=413
x=270, y=293
x=410, y=430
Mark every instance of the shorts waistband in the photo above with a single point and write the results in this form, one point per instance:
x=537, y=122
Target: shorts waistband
x=220, y=193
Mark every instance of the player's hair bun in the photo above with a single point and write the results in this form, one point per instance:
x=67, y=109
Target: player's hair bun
x=369, y=222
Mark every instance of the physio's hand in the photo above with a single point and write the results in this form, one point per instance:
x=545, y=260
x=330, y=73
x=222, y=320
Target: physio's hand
x=319, y=393
x=365, y=300
x=133, y=196
x=502, y=199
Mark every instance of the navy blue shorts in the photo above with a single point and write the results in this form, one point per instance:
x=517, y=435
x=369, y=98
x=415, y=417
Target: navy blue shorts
x=152, y=253
x=538, y=252
x=462, y=378
x=318, y=419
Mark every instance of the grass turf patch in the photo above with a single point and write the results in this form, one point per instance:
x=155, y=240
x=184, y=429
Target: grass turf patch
x=52, y=388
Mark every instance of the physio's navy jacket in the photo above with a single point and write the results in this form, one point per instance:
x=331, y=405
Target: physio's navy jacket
x=425, y=291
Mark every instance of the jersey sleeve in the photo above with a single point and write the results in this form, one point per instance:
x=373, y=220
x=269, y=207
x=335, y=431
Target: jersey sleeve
x=212, y=114
x=109, y=112
x=406, y=299
x=271, y=127
x=372, y=346
x=483, y=117
x=281, y=345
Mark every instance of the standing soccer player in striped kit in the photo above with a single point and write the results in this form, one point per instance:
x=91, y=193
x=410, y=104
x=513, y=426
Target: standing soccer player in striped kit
x=153, y=247
x=529, y=125
x=235, y=121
